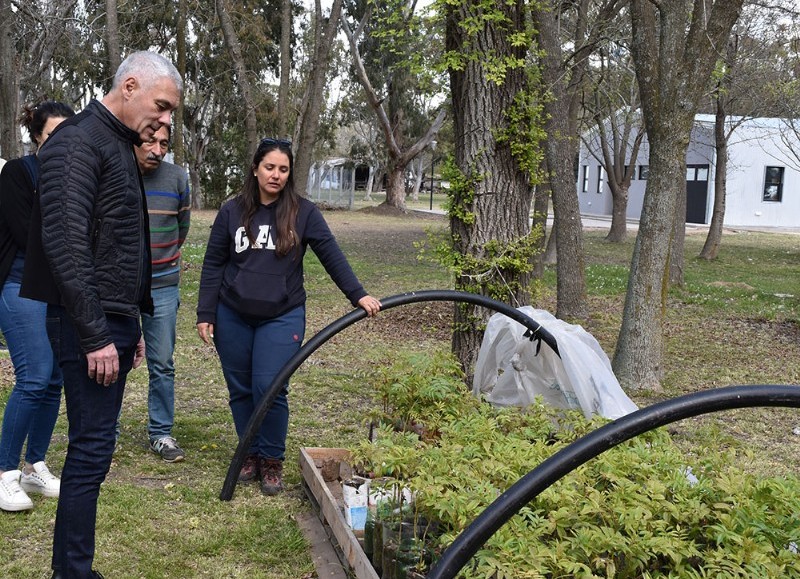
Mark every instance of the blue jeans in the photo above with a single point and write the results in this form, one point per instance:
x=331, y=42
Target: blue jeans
x=252, y=352
x=92, y=411
x=32, y=407
x=159, y=339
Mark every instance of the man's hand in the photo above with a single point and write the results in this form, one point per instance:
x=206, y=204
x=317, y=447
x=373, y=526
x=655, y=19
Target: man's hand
x=206, y=332
x=104, y=365
x=139, y=355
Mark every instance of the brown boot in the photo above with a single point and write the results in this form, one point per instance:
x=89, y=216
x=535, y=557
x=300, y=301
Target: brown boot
x=249, y=470
x=271, y=476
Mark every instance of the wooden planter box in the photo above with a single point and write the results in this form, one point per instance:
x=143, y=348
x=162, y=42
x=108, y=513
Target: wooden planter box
x=328, y=497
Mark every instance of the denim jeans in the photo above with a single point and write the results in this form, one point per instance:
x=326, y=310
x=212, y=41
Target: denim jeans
x=159, y=339
x=32, y=407
x=92, y=411
x=252, y=352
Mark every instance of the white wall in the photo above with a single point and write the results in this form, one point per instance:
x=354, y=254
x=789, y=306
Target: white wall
x=753, y=146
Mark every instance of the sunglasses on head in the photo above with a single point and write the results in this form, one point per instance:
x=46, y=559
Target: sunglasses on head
x=268, y=141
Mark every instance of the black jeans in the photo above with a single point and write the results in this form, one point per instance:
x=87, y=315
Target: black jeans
x=92, y=411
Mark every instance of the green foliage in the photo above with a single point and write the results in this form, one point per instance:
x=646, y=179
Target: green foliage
x=525, y=129
x=496, y=271
x=641, y=509
x=473, y=18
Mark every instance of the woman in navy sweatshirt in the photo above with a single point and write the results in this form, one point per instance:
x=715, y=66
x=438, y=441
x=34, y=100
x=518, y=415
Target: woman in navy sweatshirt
x=252, y=299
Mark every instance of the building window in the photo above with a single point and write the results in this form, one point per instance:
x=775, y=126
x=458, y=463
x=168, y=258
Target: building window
x=773, y=184
x=643, y=171
x=585, y=186
x=600, y=174
x=697, y=172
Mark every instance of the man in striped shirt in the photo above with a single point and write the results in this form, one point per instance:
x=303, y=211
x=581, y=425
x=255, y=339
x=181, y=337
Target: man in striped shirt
x=168, y=206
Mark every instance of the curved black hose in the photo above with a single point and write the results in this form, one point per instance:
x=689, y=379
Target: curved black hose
x=591, y=445
x=535, y=332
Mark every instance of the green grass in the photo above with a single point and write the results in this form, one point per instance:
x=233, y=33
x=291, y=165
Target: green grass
x=734, y=321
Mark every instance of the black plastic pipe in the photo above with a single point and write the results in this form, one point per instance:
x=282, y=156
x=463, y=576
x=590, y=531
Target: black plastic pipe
x=591, y=445
x=537, y=332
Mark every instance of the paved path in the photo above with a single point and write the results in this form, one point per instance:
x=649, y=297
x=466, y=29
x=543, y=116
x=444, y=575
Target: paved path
x=603, y=221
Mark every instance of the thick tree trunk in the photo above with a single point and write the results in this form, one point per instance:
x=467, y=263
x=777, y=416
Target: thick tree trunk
x=498, y=194
x=314, y=98
x=9, y=87
x=645, y=303
x=687, y=35
x=395, y=188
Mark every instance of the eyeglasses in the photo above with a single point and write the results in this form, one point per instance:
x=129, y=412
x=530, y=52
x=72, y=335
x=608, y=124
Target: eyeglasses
x=269, y=141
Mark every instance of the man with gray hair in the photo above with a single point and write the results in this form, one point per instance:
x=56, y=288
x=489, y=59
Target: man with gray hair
x=89, y=259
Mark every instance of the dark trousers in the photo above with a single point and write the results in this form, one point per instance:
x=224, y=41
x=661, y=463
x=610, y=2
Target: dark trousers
x=252, y=352
x=92, y=411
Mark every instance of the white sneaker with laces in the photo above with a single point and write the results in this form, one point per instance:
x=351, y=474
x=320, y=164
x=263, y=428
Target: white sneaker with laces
x=41, y=481
x=12, y=497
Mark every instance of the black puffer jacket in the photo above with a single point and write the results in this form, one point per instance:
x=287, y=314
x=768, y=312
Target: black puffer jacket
x=93, y=252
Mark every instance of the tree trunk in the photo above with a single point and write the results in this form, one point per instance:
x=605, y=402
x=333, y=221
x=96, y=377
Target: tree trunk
x=714, y=237
x=314, y=99
x=676, y=261
x=541, y=207
x=286, y=65
x=645, y=303
x=399, y=157
x=688, y=40
x=396, y=188
x=560, y=151
x=497, y=193
x=178, y=145
x=112, y=38
x=619, y=213
x=242, y=78
x=9, y=87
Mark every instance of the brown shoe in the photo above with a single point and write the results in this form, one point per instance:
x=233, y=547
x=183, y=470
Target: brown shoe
x=249, y=470
x=271, y=476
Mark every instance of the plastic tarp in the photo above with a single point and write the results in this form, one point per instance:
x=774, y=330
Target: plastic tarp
x=510, y=372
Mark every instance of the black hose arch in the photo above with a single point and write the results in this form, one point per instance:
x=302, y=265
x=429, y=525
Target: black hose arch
x=591, y=445
x=536, y=330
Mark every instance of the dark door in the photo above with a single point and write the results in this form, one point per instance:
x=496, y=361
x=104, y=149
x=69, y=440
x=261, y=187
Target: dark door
x=696, y=193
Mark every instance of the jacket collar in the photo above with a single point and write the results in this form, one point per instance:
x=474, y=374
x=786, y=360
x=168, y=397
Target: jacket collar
x=107, y=117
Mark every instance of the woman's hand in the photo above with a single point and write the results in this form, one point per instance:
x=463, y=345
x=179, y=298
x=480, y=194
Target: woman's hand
x=369, y=305
x=206, y=332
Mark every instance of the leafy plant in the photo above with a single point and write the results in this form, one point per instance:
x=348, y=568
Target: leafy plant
x=642, y=509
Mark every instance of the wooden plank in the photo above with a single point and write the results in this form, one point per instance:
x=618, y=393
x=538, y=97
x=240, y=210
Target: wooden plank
x=326, y=561
x=331, y=511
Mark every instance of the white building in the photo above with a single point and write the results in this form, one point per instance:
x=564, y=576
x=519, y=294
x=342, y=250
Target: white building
x=763, y=180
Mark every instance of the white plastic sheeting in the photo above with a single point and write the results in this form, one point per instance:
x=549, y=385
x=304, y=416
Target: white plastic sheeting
x=509, y=372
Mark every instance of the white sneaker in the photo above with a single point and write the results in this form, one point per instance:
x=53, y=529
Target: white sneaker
x=12, y=497
x=41, y=481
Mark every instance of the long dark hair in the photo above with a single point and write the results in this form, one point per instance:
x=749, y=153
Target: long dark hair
x=287, y=205
x=34, y=117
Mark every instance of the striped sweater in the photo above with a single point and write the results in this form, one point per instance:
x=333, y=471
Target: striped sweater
x=168, y=206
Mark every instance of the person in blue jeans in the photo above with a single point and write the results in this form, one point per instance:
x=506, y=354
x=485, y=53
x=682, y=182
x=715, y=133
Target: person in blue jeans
x=32, y=408
x=88, y=258
x=252, y=300
x=168, y=206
